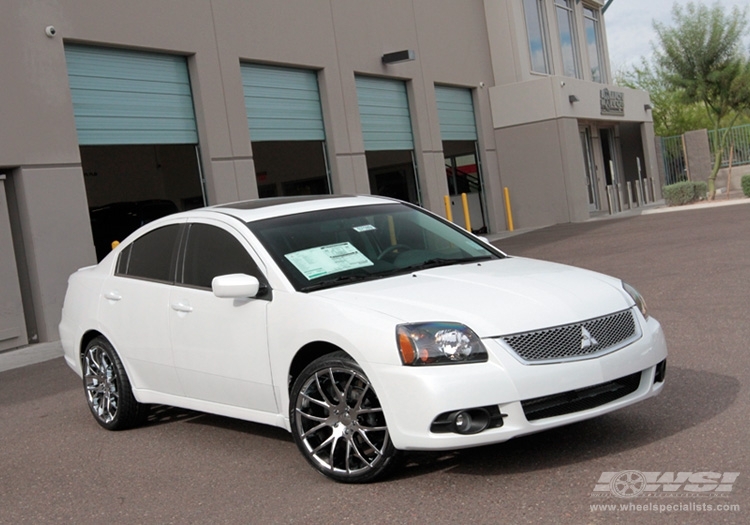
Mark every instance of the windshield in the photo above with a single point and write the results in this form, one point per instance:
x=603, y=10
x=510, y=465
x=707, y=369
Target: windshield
x=328, y=248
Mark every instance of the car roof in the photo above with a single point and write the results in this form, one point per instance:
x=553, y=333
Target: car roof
x=257, y=209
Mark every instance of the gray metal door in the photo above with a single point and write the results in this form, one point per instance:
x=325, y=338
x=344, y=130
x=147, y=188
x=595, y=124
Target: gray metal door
x=12, y=322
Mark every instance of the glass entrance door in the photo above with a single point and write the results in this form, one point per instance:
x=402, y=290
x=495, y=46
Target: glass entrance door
x=588, y=161
x=610, y=156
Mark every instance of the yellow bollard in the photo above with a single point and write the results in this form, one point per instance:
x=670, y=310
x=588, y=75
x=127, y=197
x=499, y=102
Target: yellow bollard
x=467, y=218
x=508, y=212
x=392, y=230
x=448, y=211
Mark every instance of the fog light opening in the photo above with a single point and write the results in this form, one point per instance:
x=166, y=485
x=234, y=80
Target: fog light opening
x=470, y=421
x=661, y=372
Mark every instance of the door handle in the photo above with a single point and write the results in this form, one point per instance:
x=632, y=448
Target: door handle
x=113, y=296
x=181, y=307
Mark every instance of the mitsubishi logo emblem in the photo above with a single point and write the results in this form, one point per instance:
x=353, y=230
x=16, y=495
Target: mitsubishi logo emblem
x=587, y=340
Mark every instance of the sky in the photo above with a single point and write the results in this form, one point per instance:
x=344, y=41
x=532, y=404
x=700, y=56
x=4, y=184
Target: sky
x=630, y=32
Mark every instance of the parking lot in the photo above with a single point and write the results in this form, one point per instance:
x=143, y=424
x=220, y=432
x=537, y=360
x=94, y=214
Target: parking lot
x=692, y=266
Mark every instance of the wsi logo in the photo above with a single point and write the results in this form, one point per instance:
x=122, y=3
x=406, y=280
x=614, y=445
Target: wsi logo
x=633, y=483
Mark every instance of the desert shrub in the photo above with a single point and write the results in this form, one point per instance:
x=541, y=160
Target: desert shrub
x=684, y=192
x=746, y=185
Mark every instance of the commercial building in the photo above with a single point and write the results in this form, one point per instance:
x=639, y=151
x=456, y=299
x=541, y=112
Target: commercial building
x=114, y=112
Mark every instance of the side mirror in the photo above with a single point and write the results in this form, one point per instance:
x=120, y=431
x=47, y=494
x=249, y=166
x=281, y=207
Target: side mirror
x=235, y=286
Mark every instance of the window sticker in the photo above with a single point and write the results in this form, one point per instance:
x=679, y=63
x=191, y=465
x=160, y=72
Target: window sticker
x=364, y=228
x=327, y=260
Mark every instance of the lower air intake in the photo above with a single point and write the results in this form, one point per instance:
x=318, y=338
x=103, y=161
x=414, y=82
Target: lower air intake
x=581, y=399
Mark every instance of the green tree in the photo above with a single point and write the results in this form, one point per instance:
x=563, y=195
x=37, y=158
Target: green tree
x=701, y=57
x=671, y=115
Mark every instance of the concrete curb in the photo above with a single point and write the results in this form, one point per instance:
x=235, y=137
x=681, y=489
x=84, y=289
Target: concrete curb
x=718, y=202
x=30, y=355
x=657, y=207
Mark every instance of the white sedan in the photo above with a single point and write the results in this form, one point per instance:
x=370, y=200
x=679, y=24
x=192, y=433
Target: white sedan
x=363, y=325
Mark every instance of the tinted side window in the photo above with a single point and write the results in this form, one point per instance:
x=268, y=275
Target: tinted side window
x=122, y=261
x=151, y=256
x=211, y=251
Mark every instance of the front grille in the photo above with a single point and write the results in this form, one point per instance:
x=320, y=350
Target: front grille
x=575, y=341
x=581, y=399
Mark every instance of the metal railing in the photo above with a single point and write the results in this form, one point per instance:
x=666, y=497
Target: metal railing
x=738, y=143
x=673, y=159
x=465, y=182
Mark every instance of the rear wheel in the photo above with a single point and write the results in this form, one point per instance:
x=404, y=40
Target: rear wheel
x=107, y=388
x=338, y=423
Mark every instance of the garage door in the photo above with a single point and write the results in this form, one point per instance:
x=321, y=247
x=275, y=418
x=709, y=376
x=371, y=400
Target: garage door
x=456, y=113
x=130, y=97
x=384, y=114
x=282, y=104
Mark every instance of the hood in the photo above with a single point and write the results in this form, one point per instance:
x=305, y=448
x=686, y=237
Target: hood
x=492, y=298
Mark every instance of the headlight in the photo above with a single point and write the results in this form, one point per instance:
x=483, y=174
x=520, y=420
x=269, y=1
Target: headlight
x=638, y=298
x=438, y=344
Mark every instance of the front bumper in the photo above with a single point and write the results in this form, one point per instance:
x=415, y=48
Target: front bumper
x=413, y=397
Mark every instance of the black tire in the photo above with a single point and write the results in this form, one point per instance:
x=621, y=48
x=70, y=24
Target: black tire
x=107, y=388
x=338, y=423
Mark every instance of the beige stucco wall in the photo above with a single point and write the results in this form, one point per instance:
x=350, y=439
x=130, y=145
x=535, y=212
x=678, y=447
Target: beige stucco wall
x=528, y=130
x=527, y=106
x=539, y=182
x=339, y=38
x=549, y=97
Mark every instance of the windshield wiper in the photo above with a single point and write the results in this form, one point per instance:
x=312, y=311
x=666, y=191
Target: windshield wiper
x=342, y=279
x=435, y=262
x=441, y=261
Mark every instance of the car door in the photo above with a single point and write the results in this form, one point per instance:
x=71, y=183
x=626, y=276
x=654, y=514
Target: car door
x=134, y=308
x=220, y=346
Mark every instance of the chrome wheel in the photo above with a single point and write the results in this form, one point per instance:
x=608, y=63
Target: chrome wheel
x=107, y=387
x=338, y=422
x=100, y=381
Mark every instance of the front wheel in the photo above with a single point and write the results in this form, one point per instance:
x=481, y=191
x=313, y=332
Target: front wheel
x=338, y=422
x=107, y=388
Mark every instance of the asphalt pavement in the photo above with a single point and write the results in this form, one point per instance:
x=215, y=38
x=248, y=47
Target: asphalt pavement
x=691, y=263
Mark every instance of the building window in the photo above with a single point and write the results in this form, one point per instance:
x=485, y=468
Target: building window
x=594, y=43
x=566, y=29
x=535, y=28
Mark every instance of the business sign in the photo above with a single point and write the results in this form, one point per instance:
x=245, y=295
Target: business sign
x=612, y=103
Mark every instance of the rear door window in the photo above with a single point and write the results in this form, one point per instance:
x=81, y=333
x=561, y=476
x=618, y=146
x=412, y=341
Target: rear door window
x=151, y=256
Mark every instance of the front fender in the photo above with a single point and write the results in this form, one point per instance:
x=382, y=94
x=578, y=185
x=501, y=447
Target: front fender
x=368, y=336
